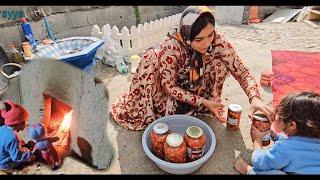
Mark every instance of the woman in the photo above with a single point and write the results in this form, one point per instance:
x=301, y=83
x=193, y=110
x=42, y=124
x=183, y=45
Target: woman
x=185, y=76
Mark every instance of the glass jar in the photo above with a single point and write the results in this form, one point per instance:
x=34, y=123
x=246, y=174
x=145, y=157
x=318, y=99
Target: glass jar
x=260, y=121
x=158, y=137
x=175, y=149
x=195, y=141
x=233, y=118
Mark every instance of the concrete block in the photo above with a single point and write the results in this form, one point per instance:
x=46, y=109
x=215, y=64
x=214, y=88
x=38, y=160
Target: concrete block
x=79, y=8
x=117, y=22
x=58, y=22
x=129, y=21
x=167, y=13
x=144, y=18
x=98, y=7
x=60, y=9
x=245, y=17
x=80, y=31
x=10, y=34
x=11, y=14
x=229, y=14
x=76, y=19
x=142, y=10
x=151, y=17
x=114, y=12
x=77, y=89
x=246, y=8
x=39, y=30
x=265, y=11
x=127, y=11
x=97, y=16
x=29, y=13
x=47, y=9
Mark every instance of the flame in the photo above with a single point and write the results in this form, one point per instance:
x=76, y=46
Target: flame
x=66, y=122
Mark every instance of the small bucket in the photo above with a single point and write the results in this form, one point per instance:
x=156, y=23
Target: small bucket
x=11, y=70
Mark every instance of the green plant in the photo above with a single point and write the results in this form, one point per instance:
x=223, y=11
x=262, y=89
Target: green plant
x=137, y=15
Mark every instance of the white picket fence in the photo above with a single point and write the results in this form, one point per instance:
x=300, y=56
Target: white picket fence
x=138, y=38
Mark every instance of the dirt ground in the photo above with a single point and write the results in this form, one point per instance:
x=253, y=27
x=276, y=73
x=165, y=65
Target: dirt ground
x=253, y=44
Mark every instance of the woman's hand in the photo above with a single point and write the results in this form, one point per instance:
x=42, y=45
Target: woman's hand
x=215, y=108
x=258, y=105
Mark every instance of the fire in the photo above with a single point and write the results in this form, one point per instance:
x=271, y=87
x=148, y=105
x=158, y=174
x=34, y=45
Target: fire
x=66, y=122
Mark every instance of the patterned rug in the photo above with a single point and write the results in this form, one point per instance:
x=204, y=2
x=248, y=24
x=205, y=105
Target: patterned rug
x=294, y=71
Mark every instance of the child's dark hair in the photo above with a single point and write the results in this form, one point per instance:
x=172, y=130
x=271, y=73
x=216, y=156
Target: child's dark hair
x=202, y=21
x=304, y=109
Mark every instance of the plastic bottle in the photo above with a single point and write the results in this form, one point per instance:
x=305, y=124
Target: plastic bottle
x=27, y=31
x=121, y=65
x=135, y=60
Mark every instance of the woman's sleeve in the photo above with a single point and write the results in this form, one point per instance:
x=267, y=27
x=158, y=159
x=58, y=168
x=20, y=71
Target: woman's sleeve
x=168, y=58
x=239, y=71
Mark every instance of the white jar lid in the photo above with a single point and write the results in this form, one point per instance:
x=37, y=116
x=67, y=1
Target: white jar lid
x=235, y=107
x=174, y=140
x=260, y=117
x=160, y=128
x=194, y=132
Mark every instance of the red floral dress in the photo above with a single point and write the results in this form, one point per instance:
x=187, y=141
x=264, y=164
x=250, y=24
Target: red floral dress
x=156, y=88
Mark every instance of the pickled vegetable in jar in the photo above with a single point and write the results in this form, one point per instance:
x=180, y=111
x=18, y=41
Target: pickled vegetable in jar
x=195, y=141
x=234, y=114
x=175, y=149
x=260, y=121
x=158, y=137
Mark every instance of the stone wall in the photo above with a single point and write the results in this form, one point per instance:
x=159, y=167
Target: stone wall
x=69, y=21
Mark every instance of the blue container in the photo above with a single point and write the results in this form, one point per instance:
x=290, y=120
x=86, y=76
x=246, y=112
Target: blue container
x=27, y=31
x=77, y=51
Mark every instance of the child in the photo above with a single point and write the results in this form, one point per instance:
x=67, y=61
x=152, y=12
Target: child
x=37, y=132
x=296, y=150
x=12, y=154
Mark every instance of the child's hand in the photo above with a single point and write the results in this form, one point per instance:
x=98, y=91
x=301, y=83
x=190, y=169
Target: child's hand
x=24, y=150
x=32, y=158
x=273, y=134
x=257, y=135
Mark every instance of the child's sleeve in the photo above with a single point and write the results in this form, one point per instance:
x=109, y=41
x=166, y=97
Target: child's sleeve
x=270, y=159
x=17, y=154
x=279, y=136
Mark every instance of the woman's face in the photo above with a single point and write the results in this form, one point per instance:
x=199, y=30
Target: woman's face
x=203, y=40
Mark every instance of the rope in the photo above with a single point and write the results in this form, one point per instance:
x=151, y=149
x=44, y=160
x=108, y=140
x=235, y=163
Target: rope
x=50, y=33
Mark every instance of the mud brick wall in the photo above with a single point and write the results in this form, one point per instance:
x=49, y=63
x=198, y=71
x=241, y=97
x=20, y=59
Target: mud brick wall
x=69, y=21
x=88, y=99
